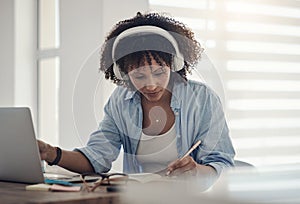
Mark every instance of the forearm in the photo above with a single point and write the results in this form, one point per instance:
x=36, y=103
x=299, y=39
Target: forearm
x=207, y=175
x=71, y=160
x=206, y=170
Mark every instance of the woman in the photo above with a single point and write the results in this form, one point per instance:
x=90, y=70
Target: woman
x=155, y=113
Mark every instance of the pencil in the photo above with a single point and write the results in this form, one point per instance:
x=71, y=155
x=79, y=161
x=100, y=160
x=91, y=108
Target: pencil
x=191, y=149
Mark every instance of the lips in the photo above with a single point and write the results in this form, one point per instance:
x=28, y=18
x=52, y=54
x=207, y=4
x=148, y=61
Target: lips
x=152, y=94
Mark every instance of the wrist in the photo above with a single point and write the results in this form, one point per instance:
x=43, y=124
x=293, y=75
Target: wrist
x=206, y=170
x=50, y=152
x=54, y=155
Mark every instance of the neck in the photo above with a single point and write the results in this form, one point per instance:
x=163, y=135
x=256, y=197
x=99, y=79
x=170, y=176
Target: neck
x=164, y=100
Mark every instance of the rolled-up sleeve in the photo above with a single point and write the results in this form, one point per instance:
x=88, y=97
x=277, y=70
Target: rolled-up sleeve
x=216, y=149
x=104, y=144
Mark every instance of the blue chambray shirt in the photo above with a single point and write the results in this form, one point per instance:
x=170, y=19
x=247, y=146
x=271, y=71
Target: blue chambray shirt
x=198, y=116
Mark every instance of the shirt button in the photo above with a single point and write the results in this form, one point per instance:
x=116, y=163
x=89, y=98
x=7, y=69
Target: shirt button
x=176, y=113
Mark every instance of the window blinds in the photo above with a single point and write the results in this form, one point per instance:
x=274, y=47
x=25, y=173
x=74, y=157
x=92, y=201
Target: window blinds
x=255, y=47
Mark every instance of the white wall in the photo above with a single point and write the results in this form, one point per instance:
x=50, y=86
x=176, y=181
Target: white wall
x=83, y=90
x=83, y=28
x=25, y=46
x=17, y=54
x=7, y=53
x=80, y=29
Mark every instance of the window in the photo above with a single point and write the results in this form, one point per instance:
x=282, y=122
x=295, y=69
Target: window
x=255, y=47
x=48, y=70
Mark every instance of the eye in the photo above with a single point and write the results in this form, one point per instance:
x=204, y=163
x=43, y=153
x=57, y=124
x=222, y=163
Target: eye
x=159, y=72
x=138, y=76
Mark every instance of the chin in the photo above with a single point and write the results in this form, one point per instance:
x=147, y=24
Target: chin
x=153, y=99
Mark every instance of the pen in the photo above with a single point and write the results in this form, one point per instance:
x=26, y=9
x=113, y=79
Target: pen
x=191, y=150
x=187, y=153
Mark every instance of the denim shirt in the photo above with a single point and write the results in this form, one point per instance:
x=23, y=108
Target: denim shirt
x=198, y=116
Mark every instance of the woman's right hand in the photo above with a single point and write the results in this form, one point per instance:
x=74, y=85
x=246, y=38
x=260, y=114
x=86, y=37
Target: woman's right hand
x=46, y=151
x=71, y=160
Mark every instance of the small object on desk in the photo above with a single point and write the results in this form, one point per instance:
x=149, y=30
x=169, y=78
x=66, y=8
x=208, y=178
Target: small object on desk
x=60, y=182
x=54, y=187
x=38, y=187
x=50, y=175
x=116, y=188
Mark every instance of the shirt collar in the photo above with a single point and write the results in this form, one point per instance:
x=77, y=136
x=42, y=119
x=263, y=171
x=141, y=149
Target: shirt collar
x=176, y=98
x=133, y=95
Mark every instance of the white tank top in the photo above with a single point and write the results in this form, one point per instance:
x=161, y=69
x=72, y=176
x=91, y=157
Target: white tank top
x=154, y=153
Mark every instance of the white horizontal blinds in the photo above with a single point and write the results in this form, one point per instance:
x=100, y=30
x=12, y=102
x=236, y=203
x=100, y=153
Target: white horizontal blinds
x=255, y=44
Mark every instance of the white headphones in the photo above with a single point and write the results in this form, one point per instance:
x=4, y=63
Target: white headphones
x=178, y=60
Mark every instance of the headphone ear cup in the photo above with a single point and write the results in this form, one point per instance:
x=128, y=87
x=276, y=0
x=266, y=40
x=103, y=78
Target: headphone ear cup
x=178, y=63
x=117, y=72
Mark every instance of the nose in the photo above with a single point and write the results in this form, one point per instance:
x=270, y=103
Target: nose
x=150, y=87
x=150, y=84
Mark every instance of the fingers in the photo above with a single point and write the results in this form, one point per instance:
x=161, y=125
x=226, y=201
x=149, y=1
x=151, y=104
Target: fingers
x=178, y=167
x=43, y=149
x=41, y=145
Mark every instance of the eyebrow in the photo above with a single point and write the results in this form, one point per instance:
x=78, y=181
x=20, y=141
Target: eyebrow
x=158, y=69
x=137, y=71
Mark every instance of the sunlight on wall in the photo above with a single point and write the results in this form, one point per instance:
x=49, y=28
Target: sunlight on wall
x=255, y=46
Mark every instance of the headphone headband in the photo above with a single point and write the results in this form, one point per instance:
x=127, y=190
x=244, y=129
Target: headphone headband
x=178, y=62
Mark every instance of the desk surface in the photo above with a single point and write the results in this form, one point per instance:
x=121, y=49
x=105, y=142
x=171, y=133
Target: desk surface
x=274, y=184
x=16, y=193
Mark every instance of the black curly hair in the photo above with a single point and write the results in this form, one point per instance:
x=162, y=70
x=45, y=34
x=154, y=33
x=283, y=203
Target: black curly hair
x=188, y=46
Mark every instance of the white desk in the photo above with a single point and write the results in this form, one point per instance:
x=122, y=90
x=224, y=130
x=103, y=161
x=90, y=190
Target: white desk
x=269, y=184
x=274, y=184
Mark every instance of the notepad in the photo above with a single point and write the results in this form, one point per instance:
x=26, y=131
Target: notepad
x=38, y=187
x=54, y=187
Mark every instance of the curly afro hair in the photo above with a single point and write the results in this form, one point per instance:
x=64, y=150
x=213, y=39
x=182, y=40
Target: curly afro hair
x=188, y=46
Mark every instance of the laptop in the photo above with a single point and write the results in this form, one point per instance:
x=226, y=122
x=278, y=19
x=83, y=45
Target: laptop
x=19, y=154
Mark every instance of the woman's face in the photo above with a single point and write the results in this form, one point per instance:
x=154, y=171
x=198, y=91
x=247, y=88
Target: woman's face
x=151, y=80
